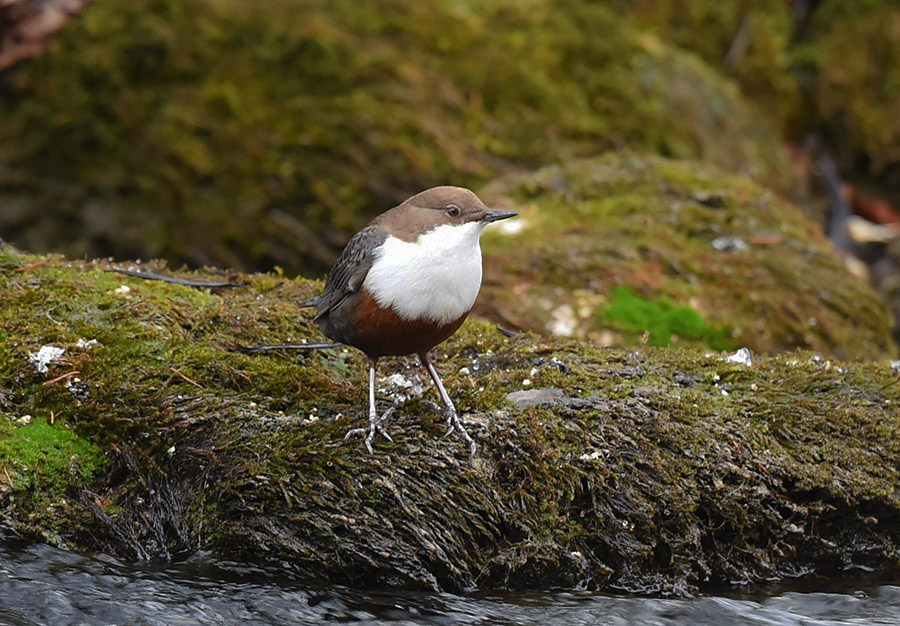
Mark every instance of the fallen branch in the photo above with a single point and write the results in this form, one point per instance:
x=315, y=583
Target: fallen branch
x=59, y=378
x=177, y=281
x=286, y=346
x=179, y=374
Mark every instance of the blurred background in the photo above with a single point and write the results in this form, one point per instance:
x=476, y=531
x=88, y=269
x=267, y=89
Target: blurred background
x=676, y=162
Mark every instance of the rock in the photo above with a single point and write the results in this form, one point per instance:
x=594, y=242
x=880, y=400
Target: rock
x=269, y=136
x=618, y=469
x=549, y=397
x=852, y=54
x=536, y=397
x=625, y=243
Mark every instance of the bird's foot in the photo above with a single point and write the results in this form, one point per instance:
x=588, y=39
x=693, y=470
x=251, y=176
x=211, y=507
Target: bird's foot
x=454, y=424
x=376, y=425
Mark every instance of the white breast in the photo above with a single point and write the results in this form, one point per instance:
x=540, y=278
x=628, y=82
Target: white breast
x=436, y=278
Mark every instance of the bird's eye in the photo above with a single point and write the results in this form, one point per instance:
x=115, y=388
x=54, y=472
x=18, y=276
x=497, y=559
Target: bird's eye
x=452, y=210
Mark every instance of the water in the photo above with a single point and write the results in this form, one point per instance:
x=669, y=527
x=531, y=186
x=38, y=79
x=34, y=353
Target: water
x=46, y=586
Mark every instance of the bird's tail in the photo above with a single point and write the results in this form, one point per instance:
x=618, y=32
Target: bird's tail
x=311, y=303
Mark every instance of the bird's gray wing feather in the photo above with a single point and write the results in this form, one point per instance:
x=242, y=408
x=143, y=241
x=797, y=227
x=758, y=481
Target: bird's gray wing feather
x=349, y=272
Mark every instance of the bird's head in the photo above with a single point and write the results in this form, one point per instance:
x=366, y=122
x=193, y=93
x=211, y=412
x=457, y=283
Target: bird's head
x=443, y=206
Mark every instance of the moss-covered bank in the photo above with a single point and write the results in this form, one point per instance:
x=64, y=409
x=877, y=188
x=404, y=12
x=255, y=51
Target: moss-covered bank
x=752, y=266
x=749, y=42
x=827, y=68
x=214, y=131
x=646, y=470
x=852, y=64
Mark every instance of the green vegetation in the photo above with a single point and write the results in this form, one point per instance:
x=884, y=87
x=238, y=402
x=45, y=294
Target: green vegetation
x=43, y=470
x=741, y=257
x=635, y=474
x=212, y=131
x=749, y=42
x=661, y=321
x=39, y=450
x=221, y=132
x=853, y=58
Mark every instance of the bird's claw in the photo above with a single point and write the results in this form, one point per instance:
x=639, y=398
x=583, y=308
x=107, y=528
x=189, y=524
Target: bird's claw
x=376, y=425
x=453, y=423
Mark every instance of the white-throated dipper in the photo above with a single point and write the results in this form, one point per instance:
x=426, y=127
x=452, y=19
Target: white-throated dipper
x=405, y=283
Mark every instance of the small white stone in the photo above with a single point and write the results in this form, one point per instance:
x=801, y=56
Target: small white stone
x=86, y=344
x=526, y=382
x=171, y=451
x=41, y=359
x=25, y=420
x=730, y=244
x=123, y=289
x=563, y=321
x=400, y=380
x=464, y=370
x=401, y=388
x=741, y=357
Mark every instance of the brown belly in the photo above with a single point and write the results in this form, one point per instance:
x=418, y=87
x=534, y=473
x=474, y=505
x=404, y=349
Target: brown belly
x=381, y=332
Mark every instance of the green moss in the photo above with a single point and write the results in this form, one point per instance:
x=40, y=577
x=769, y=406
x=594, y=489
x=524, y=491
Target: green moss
x=660, y=320
x=214, y=132
x=741, y=257
x=646, y=457
x=853, y=58
x=718, y=31
x=46, y=457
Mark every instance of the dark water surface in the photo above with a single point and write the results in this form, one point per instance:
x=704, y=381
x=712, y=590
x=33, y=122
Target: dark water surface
x=46, y=586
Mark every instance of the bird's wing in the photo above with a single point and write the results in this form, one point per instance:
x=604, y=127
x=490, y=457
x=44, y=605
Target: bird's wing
x=349, y=272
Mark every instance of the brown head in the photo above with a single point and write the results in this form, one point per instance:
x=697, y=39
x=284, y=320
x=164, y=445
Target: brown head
x=435, y=207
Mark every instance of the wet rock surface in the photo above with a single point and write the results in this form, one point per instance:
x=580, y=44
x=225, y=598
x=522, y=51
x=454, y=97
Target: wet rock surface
x=669, y=470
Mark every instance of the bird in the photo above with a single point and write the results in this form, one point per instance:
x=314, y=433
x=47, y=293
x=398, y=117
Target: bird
x=403, y=284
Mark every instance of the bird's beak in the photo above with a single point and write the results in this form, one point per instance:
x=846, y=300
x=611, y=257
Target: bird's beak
x=494, y=215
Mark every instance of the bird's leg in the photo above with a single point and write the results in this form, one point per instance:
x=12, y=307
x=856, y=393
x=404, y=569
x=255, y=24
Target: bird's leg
x=376, y=422
x=453, y=421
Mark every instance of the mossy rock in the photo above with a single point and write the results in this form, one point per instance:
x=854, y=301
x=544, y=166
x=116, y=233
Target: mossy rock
x=749, y=42
x=210, y=131
x=665, y=470
x=853, y=58
x=735, y=263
